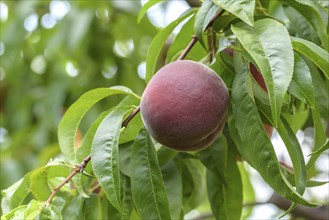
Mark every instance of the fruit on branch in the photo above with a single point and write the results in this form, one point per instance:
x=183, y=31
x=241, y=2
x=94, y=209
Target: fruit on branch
x=184, y=105
x=260, y=80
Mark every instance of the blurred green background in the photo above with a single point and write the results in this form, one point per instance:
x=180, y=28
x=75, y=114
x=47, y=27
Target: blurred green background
x=51, y=53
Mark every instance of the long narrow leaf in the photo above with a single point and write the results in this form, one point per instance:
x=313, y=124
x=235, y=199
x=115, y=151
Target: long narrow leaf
x=255, y=146
x=243, y=9
x=316, y=54
x=157, y=43
x=269, y=45
x=148, y=190
x=105, y=155
x=203, y=17
x=295, y=153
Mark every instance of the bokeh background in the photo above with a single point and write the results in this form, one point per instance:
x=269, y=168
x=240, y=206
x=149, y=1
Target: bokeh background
x=51, y=52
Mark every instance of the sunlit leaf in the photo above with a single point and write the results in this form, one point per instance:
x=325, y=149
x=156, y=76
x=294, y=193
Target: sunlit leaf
x=39, y=180
x=14, y=195
x=203, y=17
x=50, y=212
x=33, y=209
x=145, y=7
x=157, y=44
x=316, y=54
x=243, y=9
x=73, y=116
x=269, y=45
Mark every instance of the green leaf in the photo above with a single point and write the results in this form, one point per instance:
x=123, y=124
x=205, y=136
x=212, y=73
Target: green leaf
x=214, y=158
x=268, y=43
x=301, y=84
x=247, y=189
x=39, y=180
x=255, y=146
x=203, y=17
x=226, y=199
x=50, y=213
x=323, y=148
x=145, y=7
x=157, y=43
x=181, y=40
x=303, y=28
x=311, y=14
x=173, y=183
x=92, y=207
x=148, y=190
x=105, y=155
x=17, y=213
x=14, y=195
x=70, y=122
x=127, y=202
x=194, y=184
x=73, y=208
x=316, y=54
x=33, y=209
x=243, y=9
x=295, y=153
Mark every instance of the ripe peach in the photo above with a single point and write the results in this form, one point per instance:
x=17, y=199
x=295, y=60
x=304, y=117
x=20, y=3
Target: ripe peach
x=184, y=105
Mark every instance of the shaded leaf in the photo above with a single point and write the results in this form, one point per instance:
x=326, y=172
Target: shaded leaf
x=173, y=183
x=226, y=199
x=194, y=184
x=214, y=158
x=312, y=16
x=148, y=190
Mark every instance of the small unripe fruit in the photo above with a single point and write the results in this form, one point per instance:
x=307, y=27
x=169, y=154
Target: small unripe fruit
x=184, y=105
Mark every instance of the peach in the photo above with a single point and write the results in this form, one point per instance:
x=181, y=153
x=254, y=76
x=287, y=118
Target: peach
x=184, y=105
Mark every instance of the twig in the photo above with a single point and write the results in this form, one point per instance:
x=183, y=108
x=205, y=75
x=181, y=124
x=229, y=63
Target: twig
x=188, y=48
x=78, y=168
x=127, y=120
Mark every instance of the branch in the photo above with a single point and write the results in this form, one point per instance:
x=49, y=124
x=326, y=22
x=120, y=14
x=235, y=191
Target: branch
x=127, y=120
x=188, y=48
x=195, y=39
x=79, y=168
x=300, y=211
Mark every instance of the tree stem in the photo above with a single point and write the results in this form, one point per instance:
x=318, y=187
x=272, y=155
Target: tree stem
x=188, y=48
